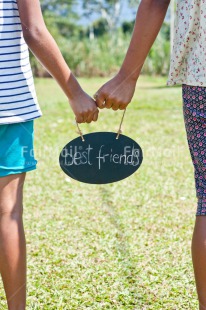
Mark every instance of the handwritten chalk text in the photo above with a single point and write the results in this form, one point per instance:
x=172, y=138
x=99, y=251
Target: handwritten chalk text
x=85, y=156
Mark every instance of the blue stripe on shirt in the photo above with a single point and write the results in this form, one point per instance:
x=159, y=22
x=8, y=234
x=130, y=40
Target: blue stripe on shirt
x=8, y=39
x=11, y=31
x=13, y=88
x=11, y=60
x=20, y=100
x=27, y=106
x=8, y=2
x=15, y=45
x=14, y=95
x=16, y=67
x=19, y=114
x=11, y=9
x=3, y=54
x=3, y=17
x=16, y=81
x=1, y=75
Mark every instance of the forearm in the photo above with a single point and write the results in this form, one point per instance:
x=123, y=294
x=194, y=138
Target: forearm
x=149, y=19
x=44, y=47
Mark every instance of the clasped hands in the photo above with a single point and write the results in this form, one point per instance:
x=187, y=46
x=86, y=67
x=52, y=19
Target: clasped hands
x=116, y=94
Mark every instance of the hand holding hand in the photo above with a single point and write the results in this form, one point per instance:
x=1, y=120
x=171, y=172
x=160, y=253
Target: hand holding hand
x=116, y=94
x=84, y=107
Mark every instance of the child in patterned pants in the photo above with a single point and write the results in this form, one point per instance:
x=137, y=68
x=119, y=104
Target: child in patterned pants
x=187, y=68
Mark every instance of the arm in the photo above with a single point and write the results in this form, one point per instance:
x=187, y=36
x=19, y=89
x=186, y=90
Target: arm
x=118, y=92
x=43, y=46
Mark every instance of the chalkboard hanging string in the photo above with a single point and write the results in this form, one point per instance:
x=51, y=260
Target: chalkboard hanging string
x=120, y=126
x=80, y=132
x=118, y=132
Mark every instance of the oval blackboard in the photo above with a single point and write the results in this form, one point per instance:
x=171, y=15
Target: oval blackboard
x=101, y=158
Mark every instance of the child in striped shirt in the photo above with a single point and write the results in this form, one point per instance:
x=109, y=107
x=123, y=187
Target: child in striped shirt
x=22, y=25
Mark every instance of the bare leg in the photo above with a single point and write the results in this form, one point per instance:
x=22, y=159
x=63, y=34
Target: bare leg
x=12, y=241
x=199, y=258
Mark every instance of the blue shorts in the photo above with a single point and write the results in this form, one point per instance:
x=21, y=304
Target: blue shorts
x=16, y=148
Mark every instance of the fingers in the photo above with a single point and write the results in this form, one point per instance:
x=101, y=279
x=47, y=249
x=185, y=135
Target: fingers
x=92, y=117
x=95, y=116
x=79, y=119
x=87, y=117
x=115, y=105
x=107, y=102
x=122, y=106
x=100, y=100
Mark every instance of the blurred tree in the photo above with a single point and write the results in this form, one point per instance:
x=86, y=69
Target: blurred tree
x=170, y=32
x=60, y=17
x=109, y=10
x=100, y=27
x=67, y=28
x=127, y=27
x=165, y=31
x=134, y=2
x=59, y=7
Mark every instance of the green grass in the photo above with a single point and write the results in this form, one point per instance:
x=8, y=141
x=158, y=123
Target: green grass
x=119, y=246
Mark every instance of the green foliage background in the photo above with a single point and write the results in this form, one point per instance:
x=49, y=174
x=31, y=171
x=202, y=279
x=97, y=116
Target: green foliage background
x=102, y=55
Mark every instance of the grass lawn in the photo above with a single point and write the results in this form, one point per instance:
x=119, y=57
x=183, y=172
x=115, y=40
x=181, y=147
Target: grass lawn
x=120, y=246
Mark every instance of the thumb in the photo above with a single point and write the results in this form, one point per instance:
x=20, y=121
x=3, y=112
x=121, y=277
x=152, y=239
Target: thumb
x=99, y=97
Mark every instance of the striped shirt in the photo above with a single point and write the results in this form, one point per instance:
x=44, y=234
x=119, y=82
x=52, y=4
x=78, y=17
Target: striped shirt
x=18, y=100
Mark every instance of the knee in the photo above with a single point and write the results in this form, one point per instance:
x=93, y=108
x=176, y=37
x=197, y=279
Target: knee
x=11, y=195
x=11, y=209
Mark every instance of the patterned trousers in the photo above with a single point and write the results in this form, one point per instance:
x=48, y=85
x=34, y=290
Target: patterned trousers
x=194, y=111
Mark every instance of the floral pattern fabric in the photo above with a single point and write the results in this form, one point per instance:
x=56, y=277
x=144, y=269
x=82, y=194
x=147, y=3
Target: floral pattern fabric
x=194, y=111
x=188, y=59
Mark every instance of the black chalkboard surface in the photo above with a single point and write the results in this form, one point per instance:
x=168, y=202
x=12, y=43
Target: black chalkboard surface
x=101, y=158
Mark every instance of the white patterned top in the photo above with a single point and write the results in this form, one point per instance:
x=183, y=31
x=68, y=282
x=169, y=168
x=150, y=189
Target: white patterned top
x=188, y=59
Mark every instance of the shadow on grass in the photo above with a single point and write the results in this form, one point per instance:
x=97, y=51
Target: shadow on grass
x=128, y=267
